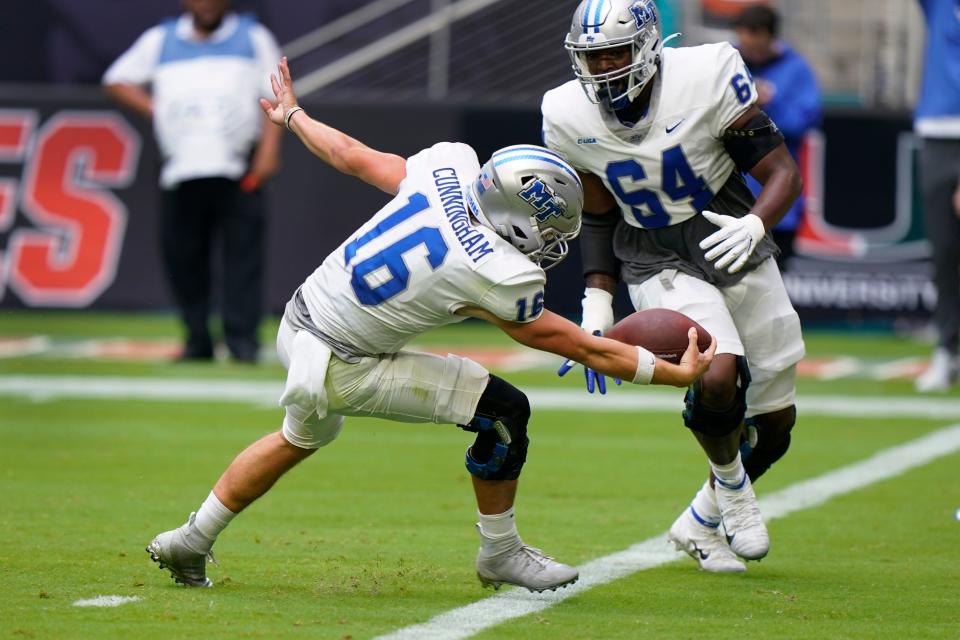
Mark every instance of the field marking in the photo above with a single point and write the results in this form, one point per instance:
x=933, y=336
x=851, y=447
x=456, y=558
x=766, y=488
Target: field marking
x=469, y=620
x=501, y=358
x=263, y=393
x=904, y=368
x=840, y=368
x=107, y=601
x=20, y=347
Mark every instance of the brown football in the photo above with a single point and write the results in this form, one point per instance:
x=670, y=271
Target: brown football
x=662, y=331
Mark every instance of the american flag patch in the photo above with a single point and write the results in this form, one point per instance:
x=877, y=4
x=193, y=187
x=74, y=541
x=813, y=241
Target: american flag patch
x=485, y=182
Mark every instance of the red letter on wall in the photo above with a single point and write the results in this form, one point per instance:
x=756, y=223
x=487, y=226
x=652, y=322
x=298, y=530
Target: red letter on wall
x=71, y=254
x=16, y=125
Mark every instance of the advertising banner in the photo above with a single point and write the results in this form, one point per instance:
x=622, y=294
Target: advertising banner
x=861, y=252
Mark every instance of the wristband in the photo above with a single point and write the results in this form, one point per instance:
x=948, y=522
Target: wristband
x=286, y=118
x=646, y=363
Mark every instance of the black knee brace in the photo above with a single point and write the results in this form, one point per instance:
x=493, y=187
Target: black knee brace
x=501, y=427
x=766, y=440
x=713, y=422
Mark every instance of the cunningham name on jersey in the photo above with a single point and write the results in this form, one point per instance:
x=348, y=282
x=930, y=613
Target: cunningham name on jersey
x=668, y=167
x=416, y=262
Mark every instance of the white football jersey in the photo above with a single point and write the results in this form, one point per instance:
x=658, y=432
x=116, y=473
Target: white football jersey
x=669, y=166
x=418, y=260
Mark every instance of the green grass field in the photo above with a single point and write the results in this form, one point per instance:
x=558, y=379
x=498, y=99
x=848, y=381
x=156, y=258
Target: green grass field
x=375, y=533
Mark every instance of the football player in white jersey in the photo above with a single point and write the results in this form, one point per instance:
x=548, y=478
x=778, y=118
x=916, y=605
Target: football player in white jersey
x=661, y=139
x=456, y=241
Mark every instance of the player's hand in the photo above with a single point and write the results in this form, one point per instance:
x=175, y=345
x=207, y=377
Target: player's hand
x=282, y=85
x=735, y=242
x=597, y=320
x=694, y=364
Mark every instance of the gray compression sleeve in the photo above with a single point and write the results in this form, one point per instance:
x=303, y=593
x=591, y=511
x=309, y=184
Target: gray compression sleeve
x=596, y=243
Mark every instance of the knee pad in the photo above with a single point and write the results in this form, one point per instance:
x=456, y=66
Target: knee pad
x=717, y=422
x=766, y=440
x=501, y=427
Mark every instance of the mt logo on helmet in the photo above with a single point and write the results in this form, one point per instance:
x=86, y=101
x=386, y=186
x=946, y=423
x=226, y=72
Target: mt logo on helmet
x=543, y=199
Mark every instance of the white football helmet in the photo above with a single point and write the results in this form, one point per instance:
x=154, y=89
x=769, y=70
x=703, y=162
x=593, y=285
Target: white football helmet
x=609, y=24
x=532, y=198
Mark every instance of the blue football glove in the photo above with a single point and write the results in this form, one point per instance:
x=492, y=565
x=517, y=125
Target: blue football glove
x=594, y=380
x=597, y=319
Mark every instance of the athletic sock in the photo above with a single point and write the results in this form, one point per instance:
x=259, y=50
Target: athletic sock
x=498, y=532
x=212, y=518
x=730, y=475
x=704, y=506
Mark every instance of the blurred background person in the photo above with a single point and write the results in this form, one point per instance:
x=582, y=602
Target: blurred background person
x=937, y=123
x=216, y=153
x=787, y=91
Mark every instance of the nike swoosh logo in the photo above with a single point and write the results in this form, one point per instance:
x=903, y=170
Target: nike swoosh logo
x=703, y=556
x=671, y=129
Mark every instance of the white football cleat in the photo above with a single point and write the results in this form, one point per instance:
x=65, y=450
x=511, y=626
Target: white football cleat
x=746, y=533
x=524, y=566
x=704, y=543
x=174, y=551
x=939, y=375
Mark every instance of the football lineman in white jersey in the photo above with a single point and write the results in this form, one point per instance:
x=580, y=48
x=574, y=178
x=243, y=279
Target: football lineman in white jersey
x=661, y=139
x=457, y=240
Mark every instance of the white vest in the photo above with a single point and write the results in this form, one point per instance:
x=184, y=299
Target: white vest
x=207, y=117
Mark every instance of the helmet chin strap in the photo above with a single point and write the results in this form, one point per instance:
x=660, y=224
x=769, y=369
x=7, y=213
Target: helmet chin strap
x=625, y=106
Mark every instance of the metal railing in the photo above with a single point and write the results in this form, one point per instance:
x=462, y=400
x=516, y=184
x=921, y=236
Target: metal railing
x=866, y=52
x=487, y=50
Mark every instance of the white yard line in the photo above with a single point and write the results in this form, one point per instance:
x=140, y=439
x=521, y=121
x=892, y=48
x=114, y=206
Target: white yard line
x=618, y=400
x=839, y=368
x=469, y=620
x=107, y=601
x=17, y=348
x=903, y=368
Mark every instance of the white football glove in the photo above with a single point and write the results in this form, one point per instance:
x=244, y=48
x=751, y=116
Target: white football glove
x=734, y=243
x=597, y=320
x=597, y=311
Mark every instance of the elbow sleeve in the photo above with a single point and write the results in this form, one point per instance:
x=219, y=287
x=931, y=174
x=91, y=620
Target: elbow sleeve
x=596, y=243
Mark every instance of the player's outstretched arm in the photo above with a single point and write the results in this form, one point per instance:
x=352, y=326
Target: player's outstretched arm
x=555, y=334
x=345, y=154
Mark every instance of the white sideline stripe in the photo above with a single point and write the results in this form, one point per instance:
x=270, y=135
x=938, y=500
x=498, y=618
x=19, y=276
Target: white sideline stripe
x=903, y=368
x=26, y=347
x=107, y=601
x=267, y=393
x=839, y=368
x=471, y=619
